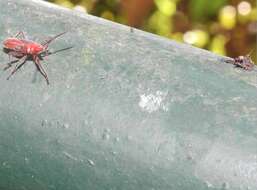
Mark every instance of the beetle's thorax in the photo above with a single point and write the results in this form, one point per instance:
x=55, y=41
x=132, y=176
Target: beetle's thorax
x=33, y=48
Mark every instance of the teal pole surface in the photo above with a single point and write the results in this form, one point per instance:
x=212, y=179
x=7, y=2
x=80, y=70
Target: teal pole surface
x=125, y=110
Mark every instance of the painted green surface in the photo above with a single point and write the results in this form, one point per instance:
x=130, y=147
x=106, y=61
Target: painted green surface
x=125, y=110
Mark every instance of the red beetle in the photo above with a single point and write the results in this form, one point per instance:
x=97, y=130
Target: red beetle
x=23, y=49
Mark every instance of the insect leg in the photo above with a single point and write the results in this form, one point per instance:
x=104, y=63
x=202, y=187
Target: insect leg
x=40, y=68
x=8, y=65
x=232, y=61
x=20, y=33
x=15, y=54
x=18, y=66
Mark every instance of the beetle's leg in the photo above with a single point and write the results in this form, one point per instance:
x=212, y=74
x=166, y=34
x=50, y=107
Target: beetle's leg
x=15, y=54
x=232, y=61
x=8, y=65
x=10, y=60
x=20, y=33
x=18, y=66
x=40, y=68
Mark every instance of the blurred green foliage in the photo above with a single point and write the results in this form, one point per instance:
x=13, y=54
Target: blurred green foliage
x=202, y=10
x=226, y=27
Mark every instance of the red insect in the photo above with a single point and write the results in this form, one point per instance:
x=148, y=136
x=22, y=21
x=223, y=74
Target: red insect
x=23, y=49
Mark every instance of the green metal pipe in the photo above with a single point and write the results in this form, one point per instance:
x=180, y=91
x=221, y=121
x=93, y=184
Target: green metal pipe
x=124, y=110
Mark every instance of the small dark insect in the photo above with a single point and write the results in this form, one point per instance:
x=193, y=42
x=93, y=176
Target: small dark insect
x=24, y=50
x=244, y=62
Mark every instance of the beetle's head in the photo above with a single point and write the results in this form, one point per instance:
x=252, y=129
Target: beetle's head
x=44, y=53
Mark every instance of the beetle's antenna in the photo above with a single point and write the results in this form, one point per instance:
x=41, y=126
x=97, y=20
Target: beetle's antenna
x=47, y=52
x=57, y=51
x=249, y=54
x=51, y=39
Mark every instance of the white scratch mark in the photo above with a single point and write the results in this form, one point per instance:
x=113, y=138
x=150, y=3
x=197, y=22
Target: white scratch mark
x=153, y=102
x=91, y=162
x=70, y=156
